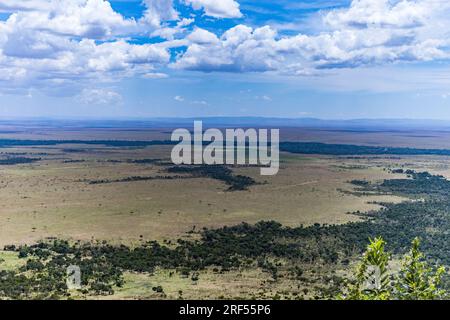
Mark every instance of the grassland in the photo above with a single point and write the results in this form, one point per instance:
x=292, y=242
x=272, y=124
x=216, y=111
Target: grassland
x=52, y=197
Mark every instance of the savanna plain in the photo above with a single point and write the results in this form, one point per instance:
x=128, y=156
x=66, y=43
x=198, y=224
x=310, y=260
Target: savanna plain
x=141, y=227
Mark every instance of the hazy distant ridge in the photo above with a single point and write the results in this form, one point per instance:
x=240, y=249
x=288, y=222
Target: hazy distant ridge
x=382, y=124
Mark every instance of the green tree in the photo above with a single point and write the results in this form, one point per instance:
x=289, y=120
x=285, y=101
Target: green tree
x=417, y=280
x=372, y=278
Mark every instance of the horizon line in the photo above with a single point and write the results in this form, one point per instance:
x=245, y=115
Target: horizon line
x=194, y=118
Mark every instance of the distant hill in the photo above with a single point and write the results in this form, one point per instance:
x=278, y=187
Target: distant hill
x=354, y=124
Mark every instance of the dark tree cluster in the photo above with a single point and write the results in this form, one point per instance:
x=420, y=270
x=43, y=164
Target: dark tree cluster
x=136, y=178
x=17, y=160
x=217, y=172
x=4, y=143
x=349, y=149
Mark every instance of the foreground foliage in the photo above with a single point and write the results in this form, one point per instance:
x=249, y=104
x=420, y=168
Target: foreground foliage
x=416, y=280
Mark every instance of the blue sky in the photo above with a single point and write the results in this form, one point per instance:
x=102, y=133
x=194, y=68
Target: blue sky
x=332, y=59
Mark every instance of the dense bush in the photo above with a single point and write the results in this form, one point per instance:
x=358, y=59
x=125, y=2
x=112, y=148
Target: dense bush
x=17, y=160
x=218, y=172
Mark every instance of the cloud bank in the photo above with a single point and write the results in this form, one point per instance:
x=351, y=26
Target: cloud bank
x=63, y=43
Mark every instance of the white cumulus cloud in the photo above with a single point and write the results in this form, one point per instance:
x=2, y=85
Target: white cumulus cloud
x=217, y=8
x=239, y=49
x=58, y=43
x=369, y=32
x=159, y=11
x=99, y=97
x=52, y=44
